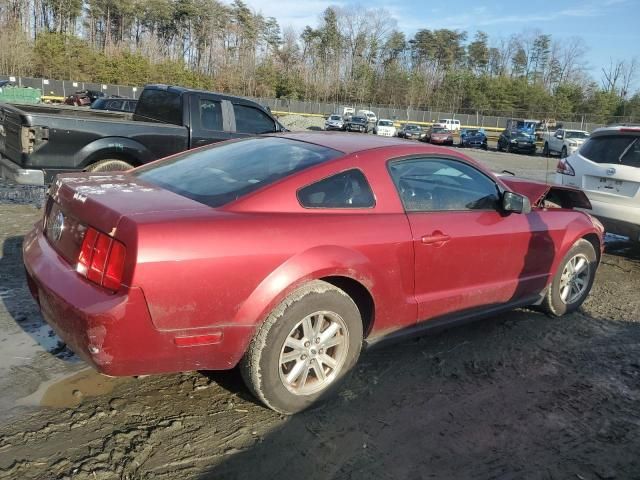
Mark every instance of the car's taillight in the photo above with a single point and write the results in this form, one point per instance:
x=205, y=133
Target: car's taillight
x=565, y=168
x=101, y=259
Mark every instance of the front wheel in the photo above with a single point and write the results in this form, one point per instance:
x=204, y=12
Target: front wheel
x=563, y=153
x=304, y=349
x=545, y=149
x=573, y=280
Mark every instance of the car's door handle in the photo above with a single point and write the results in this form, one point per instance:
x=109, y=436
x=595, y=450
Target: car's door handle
x=437, y=238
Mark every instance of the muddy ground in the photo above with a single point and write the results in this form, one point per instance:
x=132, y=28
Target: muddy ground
x=516, y=396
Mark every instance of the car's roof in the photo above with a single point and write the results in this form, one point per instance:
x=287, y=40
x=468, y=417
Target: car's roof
x=621, y=129
x=345, y=142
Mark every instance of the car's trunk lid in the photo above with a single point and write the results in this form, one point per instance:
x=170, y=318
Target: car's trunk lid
x=77, y=201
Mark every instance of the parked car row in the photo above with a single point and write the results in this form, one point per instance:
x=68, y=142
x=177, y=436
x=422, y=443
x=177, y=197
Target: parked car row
x=97, y=100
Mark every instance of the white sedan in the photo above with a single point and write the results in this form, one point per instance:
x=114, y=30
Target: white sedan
x=607, y=168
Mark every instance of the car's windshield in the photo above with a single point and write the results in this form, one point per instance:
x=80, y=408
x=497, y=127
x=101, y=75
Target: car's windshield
x=358, y=119
x=335, y=117
x=439, y=130
x=412, y=127
x=218, y=175
x=442, y=121
x=385, y=123
x=576, y=134
x=472, y=132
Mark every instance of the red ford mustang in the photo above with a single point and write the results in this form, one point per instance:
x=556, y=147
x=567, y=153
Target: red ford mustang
x=285, y=254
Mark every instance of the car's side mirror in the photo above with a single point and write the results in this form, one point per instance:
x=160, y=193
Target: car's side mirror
x=514, y=202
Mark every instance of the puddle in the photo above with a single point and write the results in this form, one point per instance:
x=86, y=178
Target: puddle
x=69, y=390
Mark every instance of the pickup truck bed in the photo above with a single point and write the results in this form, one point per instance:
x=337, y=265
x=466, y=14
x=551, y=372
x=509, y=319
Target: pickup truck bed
x=39, y=141
x=41, y=138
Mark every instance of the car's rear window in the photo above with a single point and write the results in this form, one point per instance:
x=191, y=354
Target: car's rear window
x=159, y=106
x=223, y=173
x=620, y=149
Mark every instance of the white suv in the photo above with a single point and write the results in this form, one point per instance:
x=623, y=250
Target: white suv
x=607, y=168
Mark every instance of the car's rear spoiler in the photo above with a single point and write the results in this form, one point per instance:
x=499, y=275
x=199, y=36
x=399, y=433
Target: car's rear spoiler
x=538, y=192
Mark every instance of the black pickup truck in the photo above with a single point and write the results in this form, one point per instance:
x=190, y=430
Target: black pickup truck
x=39, y=141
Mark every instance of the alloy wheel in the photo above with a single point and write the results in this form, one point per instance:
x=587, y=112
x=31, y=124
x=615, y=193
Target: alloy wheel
x=575, y=279
x=313, y=353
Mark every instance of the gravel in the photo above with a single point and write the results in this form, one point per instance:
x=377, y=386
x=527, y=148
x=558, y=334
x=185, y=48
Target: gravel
x=301, y=122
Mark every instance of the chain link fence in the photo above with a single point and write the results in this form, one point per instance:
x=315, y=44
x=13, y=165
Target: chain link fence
x=59, y=88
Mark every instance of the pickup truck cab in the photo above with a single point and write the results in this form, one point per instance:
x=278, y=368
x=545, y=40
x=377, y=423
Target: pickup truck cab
x=37, y=142
x=563, y=142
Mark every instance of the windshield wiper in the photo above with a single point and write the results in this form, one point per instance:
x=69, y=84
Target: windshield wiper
x=627, y=150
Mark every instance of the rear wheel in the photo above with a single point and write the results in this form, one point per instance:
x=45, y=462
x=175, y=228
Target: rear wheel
x=109, y=165
x=573, y=280
x=563, y=153
x=304, y=349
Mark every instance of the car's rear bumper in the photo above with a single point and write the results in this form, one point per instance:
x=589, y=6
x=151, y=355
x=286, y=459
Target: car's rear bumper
x=17, y=174
x=617, y=218
x=114, y=332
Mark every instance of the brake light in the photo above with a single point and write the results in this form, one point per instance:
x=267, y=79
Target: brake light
x=565, y=168
x=101, y=259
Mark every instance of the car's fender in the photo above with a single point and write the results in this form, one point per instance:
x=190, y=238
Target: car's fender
x=580, y=227
x=113, y=147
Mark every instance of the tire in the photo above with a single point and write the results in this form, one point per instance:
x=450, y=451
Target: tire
x=553, y=303
x=264, y=372
x=109, y=165
x=545, y=150
x=499, y=146
x=563, y=153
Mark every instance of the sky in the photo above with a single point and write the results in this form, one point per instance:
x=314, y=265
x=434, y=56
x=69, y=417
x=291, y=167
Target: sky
x=610, y=28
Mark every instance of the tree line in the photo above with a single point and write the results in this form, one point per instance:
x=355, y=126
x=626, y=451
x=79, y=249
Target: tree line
x=353, y=55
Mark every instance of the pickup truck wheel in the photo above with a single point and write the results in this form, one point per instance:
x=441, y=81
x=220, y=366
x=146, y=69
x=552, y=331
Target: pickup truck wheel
x=109, y=166
x=573, y=280
x=305, y=348
x=563, y=153
x=545, y=150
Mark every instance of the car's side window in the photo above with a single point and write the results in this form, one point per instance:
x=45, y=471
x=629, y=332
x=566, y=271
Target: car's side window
x=348, y=189
x=437, y=184
x=210, y=114
x=252, y=120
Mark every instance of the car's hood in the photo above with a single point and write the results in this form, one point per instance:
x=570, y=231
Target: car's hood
x=536, y=192
x=475, y=137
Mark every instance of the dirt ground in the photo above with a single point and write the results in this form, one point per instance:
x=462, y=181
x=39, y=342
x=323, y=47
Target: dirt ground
x=516, y=396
